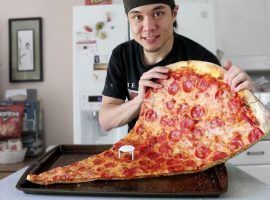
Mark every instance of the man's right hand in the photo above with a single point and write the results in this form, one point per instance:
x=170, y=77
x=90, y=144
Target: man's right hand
x=148, y=80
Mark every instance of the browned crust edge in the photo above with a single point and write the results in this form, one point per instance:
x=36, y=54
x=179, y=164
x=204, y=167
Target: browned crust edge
x=200, y=67
x=261, y=113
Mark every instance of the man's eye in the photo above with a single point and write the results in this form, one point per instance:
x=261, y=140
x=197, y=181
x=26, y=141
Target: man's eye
x=158, y=14
x=137, y=18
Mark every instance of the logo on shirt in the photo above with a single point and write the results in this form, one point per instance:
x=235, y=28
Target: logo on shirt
x=131, y=85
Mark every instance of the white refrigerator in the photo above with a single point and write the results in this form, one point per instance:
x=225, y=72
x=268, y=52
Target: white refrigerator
x=96, y=31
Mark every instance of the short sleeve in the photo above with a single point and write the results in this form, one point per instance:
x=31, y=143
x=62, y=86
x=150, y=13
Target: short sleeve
x=116, y=80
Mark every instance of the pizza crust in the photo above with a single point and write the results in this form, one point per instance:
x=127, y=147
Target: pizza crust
x=201, y=68
x=260, y=111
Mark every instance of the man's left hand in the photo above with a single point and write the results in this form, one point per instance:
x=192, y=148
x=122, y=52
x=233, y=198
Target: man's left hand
x=237, y=78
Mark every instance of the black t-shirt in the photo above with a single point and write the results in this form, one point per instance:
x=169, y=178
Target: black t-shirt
x=126, y=65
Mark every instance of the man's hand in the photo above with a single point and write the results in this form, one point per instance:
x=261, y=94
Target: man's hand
x=237, y=78
x=147, y=80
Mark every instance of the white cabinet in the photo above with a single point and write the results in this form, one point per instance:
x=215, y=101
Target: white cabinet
x=260, y=172
x=255, y=161
x=243, y=32
x=257, y=154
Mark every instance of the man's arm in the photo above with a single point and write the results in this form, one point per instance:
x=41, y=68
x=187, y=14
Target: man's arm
x=116, y=112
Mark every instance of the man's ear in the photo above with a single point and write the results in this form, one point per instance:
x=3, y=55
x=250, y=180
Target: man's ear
x=175, y=11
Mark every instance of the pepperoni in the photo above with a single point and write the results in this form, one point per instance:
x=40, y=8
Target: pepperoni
x=187, y=123
x=197, y=112
x=165, y=121
x=130, y=172
x=188, y=85
x=202, y=152
x=183, y=109
x=203, y=84
x=219, y=155
x=164, y=148
x=190, y=163
x=109, y=154
x=235, y=105
x=160, y=160
x=105, y=175
x=155, y=167
x=161, y=138
x=150, y=115
x=171, y=161
x=254, y=135
x=181, y=156
x=170, y=104
x=145, y=162
x=175, y=135
x=152, y=155
x=173, y=88
x=140, y=129
x=97, y=161
x=145, y=165
x=109, y=165
x=216, y=122
x=236, y=143
x=144, y=149
x=99, y=169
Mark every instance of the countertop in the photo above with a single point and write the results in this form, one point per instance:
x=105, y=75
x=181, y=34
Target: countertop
x=240, y=186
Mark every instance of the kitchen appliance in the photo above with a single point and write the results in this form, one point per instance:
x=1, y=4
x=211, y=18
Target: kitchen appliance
x=256, y=160
x=96, y=31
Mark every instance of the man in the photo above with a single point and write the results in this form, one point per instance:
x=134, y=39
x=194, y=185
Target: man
x=135, y=64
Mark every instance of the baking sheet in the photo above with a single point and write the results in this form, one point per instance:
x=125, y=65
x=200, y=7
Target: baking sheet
x=212, y=182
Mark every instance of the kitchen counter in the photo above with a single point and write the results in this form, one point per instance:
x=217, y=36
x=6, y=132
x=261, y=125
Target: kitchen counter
x=240, y=186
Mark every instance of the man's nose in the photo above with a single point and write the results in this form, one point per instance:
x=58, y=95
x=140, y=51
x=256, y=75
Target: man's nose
x=149, y=24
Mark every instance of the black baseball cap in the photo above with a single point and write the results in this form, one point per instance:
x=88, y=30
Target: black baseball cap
x=130, y=4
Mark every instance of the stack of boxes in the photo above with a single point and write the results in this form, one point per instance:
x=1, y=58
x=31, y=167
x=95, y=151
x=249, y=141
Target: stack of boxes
x=32, y=130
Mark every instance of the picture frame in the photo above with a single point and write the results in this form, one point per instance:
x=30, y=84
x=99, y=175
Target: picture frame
x=25, y=50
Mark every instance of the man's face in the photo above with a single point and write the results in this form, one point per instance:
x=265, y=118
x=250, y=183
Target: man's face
x=152, y=25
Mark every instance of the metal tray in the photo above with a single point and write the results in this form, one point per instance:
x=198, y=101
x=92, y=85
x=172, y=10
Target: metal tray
x=210, y=183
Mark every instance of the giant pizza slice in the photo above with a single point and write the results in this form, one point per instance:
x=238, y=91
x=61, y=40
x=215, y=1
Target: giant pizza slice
x=191, y=124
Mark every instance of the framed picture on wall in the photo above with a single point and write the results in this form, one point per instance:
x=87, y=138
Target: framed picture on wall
x=95, y=2
x=25, y=50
